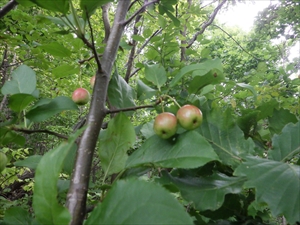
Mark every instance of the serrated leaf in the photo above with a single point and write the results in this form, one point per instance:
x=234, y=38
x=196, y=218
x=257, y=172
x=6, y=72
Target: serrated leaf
x=189, y=150
x=18, y=102
x=56, y=49
x=90, y=6
x=17, y=216
x=65, y=70
x=53, y=5
x=139, y=202
x=120, y=94
x=31, y=162
x=23, y=81
x=287, y=144
x=279, y=119
x=156, y=74
x=276, y=184
x=201, y=68
x=45, y=111
x=45, y=203
x=115, y=143
x=206, y=193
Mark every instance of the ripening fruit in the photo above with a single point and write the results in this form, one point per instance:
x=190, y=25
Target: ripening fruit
x=3, y=161
x=81, y=96
x=189, y=117
x=92, y=81
x=165, y=125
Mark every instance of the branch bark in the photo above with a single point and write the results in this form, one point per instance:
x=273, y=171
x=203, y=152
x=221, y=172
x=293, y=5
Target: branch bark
x=206, y=24
x=77, y=195
x=105, y=18
x=26, y=131
x=9, y=6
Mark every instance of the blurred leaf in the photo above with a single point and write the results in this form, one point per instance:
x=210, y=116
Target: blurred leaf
x=17, y=216
x=90, y=6
x=147, y=129
x=65, y=70
x=206, y=193
x=7, y=136
x=18, y=102
x=120, y=94
x=45, y=203
x=115, y=143
x=139, y=202
x=287, y=144
x=249, y=87
x=53, y=5
x=45, y=111
x=56, y=49
x=189, y=150
x=69, y=162
x=279, y=119
x=276, y=183
x=31, y=161
x=201, y=68
x=23, y=81
x=144, y=91
x=156, y=74
x=266, y=109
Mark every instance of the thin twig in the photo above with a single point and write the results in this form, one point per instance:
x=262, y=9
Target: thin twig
x=134, y=108
x=26, y=131
x=147, y=41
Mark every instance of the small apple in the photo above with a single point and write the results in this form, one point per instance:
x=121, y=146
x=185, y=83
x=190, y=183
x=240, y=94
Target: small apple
x=165, y=125
x=92, y=81
x=3, y=161
x=81, y=96
x=189, y=117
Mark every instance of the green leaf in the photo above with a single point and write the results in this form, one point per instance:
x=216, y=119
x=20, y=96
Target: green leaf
x=173, y=18
x=225, y=136
x=45, y=111
x=7, y=136
x=65, y=70
x=31, y=162
x=144, y=91
x=17, y=216
x=156, y=74
x=53, y=5
x=23, y=81
x=201, y=68
x=276, y=184
x=45, y=203
x=206, y=193
x=279, y=119
x=115, y=143
x=90, y=6
x=120, y=94
x=287, y=144
x=266, y=109
x=56, y=49
x=138, y=38
x=249, y=87
x=18, y=102
x=189, y=150
x=139, y=202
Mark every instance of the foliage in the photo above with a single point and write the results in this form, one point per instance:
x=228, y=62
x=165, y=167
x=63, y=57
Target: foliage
x=101, y=163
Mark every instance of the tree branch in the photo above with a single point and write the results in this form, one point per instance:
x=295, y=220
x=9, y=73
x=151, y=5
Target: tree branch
x=147, y=41
x=105, y=18
x=26, y=131
x=134, y=108
x=9, y=6
x=206, y=24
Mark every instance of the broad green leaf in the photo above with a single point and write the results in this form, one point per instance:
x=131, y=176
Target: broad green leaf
x=206, y=193
x=201, y=68
x=156, y=74
x=120, y=94
x=45, y=111
x=247, y=120
x=61, y=6
x=7, y=136
x=56, y=49
x=45, y=203
x=69, y=162
x=266, y=109
x=276, y=184
x=31, y=162
x=189, y=150
x=90, y=6
x=144, y=91
x=147, y=129
x=17, y=216
x=249, y=87
x=139, y=202
x=173, y=18
x=279, y=119
x=18, y=102
x=138, y=38
x=65, y=70
x=115, y=143
x=287, y=143
x=23, y=81
x=225, y=136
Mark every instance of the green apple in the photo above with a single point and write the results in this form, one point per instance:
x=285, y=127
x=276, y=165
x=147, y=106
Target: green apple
x=165, y=125
x=3, y=161
x=81, y=96
x=189, y=117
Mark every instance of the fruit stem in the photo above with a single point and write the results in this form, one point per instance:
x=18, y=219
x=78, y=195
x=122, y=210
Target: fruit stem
x=173, y=99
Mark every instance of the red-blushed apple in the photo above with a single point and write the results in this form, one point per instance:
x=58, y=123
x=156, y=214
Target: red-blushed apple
x=81, y=96
x=165, y=125
x=189, y=117
x=92, y=81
